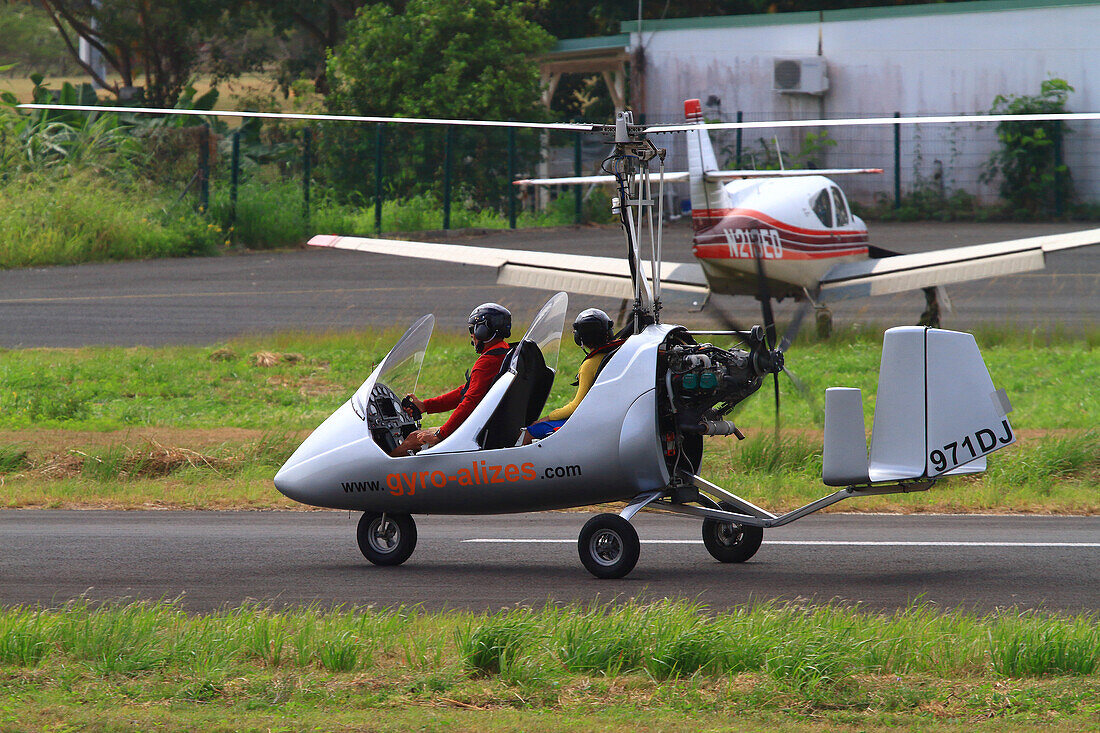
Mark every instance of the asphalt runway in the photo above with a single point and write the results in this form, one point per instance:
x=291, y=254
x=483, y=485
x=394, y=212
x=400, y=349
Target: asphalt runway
x=211, y=300
x=215, y=559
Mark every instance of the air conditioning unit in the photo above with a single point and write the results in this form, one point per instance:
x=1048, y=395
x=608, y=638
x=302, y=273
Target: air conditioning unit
x=802, y=75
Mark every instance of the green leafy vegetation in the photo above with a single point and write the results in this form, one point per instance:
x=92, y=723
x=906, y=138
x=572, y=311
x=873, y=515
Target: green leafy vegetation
x=660, y=666
x=455, y=59
x=1034, y=179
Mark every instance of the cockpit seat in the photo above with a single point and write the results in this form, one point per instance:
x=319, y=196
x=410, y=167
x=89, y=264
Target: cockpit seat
x=523, y=401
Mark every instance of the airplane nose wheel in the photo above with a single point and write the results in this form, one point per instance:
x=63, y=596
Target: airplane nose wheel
x=386, y=539
x=729, y=541
x=608, y=546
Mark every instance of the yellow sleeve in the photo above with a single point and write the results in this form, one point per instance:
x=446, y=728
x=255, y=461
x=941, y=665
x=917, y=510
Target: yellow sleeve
x=585, y=377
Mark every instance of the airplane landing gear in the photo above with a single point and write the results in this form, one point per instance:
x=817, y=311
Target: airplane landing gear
x=731, y=542
x=824, y=318
x=386, y=539
x=608, y=546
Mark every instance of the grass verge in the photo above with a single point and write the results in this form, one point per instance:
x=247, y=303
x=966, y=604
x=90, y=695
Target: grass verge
x=1051, y=474
x=296, y=380
x=668, y=665
x=192, y=423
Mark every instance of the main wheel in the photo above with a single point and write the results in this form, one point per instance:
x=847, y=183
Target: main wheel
x=729, y=541
x=386, y=539
x=608, y=546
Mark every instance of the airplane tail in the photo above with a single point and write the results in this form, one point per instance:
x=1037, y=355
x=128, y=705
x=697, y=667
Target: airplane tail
x=707, y=196
x=936, y=413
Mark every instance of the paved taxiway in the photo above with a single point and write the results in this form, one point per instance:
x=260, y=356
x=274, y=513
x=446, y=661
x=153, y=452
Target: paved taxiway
x=208, y=300
x=295, y=558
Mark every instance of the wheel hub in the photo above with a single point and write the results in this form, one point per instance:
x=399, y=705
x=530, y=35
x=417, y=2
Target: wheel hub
x=728, y=533
x=607, y=547
x=384, y=536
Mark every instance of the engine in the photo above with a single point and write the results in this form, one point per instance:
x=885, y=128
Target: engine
x=705, y=382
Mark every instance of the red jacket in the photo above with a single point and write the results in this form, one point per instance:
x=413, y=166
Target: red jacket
x=464, y=399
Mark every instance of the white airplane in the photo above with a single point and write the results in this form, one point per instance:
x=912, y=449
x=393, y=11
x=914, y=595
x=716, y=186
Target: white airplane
x=795, y=226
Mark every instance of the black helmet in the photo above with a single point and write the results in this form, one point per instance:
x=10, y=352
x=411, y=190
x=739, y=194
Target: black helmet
x=489, y=321
x=592, y=328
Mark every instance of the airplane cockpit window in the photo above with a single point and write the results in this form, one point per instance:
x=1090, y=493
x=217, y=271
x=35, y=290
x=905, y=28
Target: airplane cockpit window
x=823, y=207
x=842, y=217
x=378, y=401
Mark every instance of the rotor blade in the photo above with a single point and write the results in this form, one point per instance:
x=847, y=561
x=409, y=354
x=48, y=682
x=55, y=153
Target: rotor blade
x=320, y=118
x=863, y=121
x=795, y=324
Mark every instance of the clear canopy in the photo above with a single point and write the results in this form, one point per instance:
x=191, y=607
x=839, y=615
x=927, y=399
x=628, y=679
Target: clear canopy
x=546, y=329
x=400, y=370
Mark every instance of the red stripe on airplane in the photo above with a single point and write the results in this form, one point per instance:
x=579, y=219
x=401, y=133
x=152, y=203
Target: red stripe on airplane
x=720, y=214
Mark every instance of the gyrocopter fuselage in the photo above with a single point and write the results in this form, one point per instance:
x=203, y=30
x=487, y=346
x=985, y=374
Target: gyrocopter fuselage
x=637, y=436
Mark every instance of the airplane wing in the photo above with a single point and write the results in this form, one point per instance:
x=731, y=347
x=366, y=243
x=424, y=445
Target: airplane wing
x=584, y=274
x=676, y=176
x=943, y=267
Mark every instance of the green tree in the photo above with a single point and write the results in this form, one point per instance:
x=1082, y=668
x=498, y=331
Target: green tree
x=161, y=42
x=1034, y=180
x=463, y=59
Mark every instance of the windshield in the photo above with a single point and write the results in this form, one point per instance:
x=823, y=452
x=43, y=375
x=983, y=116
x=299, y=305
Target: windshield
x=840, y=208
x=545, y=331
x=400, y=370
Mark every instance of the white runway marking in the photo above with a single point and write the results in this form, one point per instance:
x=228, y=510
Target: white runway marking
x=852, y=543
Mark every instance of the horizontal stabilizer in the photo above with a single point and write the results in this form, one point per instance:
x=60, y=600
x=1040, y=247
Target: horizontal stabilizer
x=678, y=176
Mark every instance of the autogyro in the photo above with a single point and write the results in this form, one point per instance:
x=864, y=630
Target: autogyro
x=637, y=437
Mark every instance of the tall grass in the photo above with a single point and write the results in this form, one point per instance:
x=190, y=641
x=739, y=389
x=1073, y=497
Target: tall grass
x=799, y=647
x=51, y=220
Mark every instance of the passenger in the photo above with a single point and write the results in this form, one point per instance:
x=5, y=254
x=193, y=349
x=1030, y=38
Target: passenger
x=592, y=331
x=490, y=325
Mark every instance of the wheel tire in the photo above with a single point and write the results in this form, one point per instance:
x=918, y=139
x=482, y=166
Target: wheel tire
x=386, y=544
x=729, y=541
x=608, y=546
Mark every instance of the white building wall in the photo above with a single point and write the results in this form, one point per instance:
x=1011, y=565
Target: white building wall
x=934, y=61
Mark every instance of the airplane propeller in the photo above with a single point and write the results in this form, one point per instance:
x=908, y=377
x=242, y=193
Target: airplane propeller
x=773, y=343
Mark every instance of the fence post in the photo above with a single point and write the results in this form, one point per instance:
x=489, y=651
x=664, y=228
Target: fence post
x=511, y=178
x=740, y=117
x=379, y=143
x=577, y=171
x=234, y=180
x=897, y=163
x=1059, y=160
x=204, y=168
x=307, y=153
x=448, y=143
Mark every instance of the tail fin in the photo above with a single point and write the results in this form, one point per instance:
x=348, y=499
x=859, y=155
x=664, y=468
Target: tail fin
x=706, y=196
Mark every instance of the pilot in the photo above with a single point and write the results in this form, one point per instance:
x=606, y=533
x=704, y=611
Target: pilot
x=592, y=331
x=490, y=325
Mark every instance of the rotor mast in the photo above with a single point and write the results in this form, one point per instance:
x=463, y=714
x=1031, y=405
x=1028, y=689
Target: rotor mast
x=631, y=164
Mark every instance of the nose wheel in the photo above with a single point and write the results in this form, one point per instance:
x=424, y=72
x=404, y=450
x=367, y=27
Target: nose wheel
x=608, y=546
x=386, y=539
